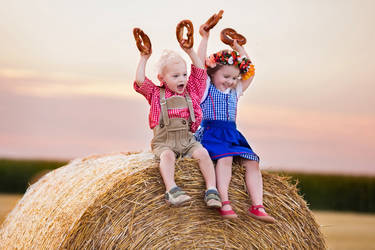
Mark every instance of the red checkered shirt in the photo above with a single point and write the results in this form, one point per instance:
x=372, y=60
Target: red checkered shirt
x=195, y=87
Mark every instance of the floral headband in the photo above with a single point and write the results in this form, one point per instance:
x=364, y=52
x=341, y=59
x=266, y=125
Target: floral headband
x=224, y=57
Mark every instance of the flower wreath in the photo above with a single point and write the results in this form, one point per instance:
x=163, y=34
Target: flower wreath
x=224, y=57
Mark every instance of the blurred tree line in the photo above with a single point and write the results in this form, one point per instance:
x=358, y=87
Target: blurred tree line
x=322, y=192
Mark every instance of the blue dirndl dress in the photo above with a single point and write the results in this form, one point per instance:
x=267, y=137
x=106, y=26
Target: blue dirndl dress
x=218, y=132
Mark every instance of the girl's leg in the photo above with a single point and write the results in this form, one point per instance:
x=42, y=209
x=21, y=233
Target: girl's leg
x=254, y=182
x=223, y=176
x=167, y=161
x=206, y=166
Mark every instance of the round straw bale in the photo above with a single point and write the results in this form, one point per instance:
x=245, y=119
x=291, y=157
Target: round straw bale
x=117, y=202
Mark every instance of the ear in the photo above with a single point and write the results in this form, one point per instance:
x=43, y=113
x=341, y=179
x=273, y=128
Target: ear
x=160, y=77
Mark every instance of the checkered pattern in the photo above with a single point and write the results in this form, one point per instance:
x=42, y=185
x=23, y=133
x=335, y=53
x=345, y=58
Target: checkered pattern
x=195, y=87
x=220, y=106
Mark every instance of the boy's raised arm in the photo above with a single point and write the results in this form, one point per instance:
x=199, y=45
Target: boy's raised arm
x=141, y=69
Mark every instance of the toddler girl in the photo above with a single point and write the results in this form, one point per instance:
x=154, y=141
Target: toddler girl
x=174, y=115
x=229, y=75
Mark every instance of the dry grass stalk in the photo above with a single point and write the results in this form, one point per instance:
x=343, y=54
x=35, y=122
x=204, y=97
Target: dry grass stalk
x=116, y=202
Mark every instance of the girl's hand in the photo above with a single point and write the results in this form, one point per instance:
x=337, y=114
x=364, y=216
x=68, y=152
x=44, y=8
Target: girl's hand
x=203, y=32
x=235, y=46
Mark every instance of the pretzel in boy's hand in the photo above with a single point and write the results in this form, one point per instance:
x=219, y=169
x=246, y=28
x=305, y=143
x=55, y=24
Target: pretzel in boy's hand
x=185, y=43
x=140, y=37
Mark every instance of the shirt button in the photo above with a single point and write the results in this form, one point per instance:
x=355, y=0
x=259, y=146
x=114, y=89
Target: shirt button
x=161, y=125
x=183, y=122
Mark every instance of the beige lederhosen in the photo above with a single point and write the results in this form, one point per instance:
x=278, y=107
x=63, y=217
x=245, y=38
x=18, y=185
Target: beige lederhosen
x=174, y=133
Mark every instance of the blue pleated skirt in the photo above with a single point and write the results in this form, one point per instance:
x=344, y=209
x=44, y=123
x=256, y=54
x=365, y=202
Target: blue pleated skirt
x=222, y=139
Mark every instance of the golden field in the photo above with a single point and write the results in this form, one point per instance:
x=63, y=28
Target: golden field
x=342, y=230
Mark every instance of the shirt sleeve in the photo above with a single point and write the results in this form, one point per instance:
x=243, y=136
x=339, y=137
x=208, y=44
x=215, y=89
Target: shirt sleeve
x=205, y=94
x=239, y=90
x=196, y=85
x=147, y=89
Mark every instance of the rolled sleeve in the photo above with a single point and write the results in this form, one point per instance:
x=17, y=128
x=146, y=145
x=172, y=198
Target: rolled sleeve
x=197, y=82
x=147, y=89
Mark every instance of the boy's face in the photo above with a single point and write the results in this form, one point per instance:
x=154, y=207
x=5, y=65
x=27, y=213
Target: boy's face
x=175, y=76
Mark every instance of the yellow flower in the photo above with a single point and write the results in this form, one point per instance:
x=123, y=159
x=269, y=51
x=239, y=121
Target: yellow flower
x=249, y=73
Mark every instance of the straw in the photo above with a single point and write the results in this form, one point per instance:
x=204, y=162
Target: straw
x=116, y=201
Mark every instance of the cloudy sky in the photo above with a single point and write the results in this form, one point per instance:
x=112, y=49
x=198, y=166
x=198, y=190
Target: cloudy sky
x=67, y=68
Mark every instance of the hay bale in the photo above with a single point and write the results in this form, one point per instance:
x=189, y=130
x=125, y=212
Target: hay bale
x=117, y=202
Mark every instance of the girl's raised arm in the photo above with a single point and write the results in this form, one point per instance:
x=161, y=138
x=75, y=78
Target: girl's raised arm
x=202, y=49
x=245, y=83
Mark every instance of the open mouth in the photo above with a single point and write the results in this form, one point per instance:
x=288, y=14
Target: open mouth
x=180, y=87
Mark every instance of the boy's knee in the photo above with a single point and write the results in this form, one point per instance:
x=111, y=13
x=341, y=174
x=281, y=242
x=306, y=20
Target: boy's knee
x=167, y=155
x=200, y=153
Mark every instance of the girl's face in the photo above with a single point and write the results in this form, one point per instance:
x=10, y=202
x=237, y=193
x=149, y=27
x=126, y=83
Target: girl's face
x=175, y=76
x=226, y=77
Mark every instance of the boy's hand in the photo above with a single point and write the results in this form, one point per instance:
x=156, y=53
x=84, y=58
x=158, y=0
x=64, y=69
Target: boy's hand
x=146, y=56
x=203, y=32
x=187, y=51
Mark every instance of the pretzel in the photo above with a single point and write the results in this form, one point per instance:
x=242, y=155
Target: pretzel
x=228, y=35
x=140, y=37
x=213, y=20
x=185, y=43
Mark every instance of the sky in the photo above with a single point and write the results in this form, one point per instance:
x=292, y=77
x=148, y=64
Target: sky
x=67, y=70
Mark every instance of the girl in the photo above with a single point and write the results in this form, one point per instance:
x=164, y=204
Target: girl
x=174, y=115
x=229, y=75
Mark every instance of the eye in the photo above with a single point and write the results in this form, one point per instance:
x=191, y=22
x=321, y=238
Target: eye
x=175, y=76
x=185, y=74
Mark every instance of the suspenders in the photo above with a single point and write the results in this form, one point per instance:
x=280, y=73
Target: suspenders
x=164, y=108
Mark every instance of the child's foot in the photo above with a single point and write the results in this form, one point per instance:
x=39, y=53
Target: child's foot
x=226, y=211
x=212, y=198
x=258, y=212
x=176, y=196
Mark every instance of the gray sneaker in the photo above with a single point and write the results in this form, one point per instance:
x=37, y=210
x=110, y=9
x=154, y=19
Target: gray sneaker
x=176, y=197
x=212, y=198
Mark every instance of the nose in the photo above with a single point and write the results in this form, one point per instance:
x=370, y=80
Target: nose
x=232, y=81
x=182, y=78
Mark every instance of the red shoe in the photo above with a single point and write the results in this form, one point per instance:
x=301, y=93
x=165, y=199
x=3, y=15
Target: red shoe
x=227, y=214
x=256, y=214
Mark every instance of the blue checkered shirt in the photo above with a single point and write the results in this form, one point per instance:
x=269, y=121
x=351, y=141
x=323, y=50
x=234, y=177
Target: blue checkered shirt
x=219, y=105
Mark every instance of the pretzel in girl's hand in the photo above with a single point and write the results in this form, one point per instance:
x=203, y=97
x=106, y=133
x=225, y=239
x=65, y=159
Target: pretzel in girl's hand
x=185, y=43
x=228, y=35
x=140, y=37
x=213, y=20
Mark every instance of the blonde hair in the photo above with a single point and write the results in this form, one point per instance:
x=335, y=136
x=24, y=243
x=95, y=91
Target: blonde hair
x=167, y=57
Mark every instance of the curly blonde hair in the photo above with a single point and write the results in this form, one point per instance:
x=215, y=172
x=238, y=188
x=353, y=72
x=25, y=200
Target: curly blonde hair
x=167, y=57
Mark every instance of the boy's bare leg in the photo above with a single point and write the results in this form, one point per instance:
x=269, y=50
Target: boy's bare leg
x=206, y=166
x=174, y=195
x=167, y=166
